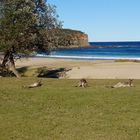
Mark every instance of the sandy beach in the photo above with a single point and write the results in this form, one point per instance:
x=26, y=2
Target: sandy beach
x=89, y=69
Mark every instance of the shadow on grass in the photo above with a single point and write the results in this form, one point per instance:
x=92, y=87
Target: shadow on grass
x=5, y=72
x=43, y=72
x=54, y=73
x=22, y=70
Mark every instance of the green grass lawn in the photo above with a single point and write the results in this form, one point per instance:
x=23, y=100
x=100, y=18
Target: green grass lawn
x=60, y=111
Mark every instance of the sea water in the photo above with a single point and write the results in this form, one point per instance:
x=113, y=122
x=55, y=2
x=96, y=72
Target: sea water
x=104, y=51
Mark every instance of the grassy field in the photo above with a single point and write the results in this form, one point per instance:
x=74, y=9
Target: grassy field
x=60, y=111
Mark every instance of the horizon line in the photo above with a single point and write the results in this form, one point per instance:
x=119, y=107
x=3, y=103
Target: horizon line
x=116, y=41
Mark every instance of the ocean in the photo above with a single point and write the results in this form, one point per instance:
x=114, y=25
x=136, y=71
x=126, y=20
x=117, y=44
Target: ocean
x=102, y=51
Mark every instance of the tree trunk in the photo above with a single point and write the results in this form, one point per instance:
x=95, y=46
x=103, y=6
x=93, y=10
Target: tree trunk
x=5, y=59
x=8, y=63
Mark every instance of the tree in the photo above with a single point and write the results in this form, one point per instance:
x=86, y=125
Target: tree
x=21, y=22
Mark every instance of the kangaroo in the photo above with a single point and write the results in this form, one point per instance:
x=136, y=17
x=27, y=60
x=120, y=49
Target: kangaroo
x=124, y=84
x=129, y=82
x=36, y=84
x=83, y=83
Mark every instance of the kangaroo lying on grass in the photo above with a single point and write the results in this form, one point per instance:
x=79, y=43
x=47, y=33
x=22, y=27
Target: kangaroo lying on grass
x=36, y=84
x=82, y=83
x=124, y=84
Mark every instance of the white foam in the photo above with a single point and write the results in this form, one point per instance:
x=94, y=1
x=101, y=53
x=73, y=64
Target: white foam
x=88, y=57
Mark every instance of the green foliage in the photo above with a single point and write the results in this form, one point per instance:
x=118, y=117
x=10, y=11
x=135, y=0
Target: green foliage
x=60, y=111
x=127, y=60
x=17, y=25
x=21, y=22
x=33, y=72
x=51, y=39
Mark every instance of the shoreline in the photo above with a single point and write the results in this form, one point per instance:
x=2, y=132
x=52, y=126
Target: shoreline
x=87, y=57
x=95, y=69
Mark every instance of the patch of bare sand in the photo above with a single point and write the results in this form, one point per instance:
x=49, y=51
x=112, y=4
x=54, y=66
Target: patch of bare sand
x=89, y=69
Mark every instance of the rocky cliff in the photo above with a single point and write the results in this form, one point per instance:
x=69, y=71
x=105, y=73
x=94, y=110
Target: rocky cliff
x=61, y=38
x=72, y=38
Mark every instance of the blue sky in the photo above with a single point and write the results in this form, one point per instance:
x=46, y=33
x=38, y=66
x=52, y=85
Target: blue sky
x=102, y=20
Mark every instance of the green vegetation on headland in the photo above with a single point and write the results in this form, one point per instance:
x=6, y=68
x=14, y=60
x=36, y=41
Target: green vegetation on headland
x=62, y=38
x=127, y=60
x=58, y=110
